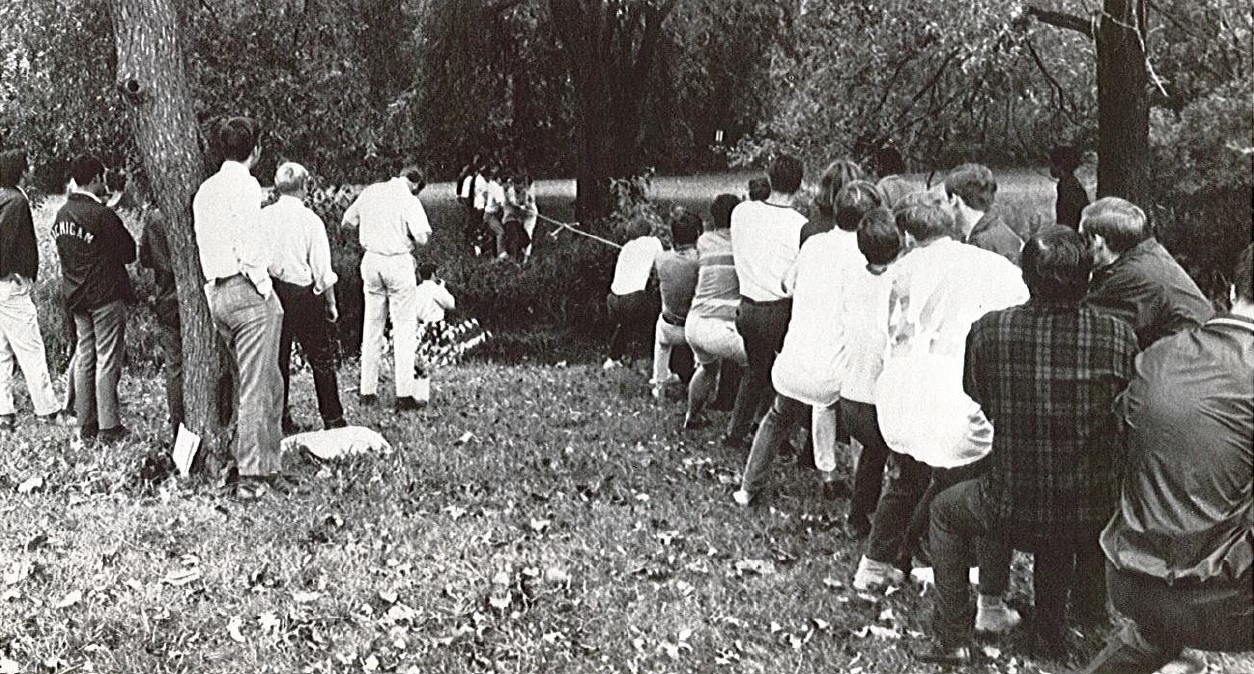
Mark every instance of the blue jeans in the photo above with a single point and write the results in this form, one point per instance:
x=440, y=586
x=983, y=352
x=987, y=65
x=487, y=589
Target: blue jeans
x=784, y=415
x=762, y=326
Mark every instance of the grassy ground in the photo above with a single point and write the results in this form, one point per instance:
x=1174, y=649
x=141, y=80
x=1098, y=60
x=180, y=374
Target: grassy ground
x=574, y=530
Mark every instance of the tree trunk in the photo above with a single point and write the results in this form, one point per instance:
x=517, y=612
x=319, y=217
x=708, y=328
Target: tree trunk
x=1122, y=103
x=152, y=79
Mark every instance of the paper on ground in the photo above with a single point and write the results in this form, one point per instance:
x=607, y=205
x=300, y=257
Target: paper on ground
x=185, y=445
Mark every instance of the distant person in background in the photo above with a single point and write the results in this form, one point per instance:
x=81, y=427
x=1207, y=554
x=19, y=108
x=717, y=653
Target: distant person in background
x=1072, y=197
x=1180, y=548
x=1135, y=279
x=300, y=268
x=433, y=301
x=518, y=217
x=627, y=303
x=494, y=208
x=154, y=254
x=710, y=328
x=837, y=174
x=892, y=184
x=759, y=188
x=677, y=272
x=971, y=189
x=95, y=247
x=20, y=338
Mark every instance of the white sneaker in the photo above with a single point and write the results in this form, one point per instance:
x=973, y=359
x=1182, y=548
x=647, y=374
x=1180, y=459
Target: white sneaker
x=872, y=574
x=992, y=615
x=610, y=364
x=742, y=497
x=658, y=391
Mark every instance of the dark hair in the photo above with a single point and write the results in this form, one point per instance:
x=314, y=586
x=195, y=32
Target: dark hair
x=1120, y=222
x=974, y=183
x=888, y=161
x=924, y=215
x=637, y=227
x=853, y=201
x=878, y=238
x=759, y=188
x=685, y=227
x=837, y=174
x=237, y=137
x=785, y=174
x=414, y=175
x=84, y=168
x=12, y=166
x=721, y=210
x=1243, y=276
x=426, y=270
x=1056, y=264
x=1065, y=157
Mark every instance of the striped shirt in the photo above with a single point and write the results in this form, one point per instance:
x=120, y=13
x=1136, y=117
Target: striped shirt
x=718, y=291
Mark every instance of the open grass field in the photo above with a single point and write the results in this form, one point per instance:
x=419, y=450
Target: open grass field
x=536, y=518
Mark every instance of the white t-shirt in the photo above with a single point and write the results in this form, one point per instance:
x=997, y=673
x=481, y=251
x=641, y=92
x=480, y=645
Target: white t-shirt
x=812, y=365
x=494, y=199
x=765, y=238
x=433, y=299
x=389, y=218
x=864, y=321
x=635, y=262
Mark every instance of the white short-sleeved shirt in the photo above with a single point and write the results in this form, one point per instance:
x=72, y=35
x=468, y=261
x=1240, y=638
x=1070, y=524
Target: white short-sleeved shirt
x=388, y=217
x=765, y=240
x=635, y=262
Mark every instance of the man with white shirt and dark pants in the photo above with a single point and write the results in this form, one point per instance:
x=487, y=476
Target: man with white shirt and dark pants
x=300, y=268
x=235, y=259
x=765, y=238
x=391, y=224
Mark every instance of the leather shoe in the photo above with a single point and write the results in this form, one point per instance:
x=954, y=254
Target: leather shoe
x=954, y=657
x=368, y=399
x=408, y=404
x=112, y=435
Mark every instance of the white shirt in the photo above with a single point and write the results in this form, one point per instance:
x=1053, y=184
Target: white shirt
x=480, y=189
x=226, y=215
x=299, y=251
x=863, y=320
x=812, y=365
x=389, y=217
x=765, y=239
x=635, y=262
x=937, y=292
x=433, y=300
x=494, y=197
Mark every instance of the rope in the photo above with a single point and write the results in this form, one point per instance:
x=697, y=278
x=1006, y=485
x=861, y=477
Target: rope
x=571, y=227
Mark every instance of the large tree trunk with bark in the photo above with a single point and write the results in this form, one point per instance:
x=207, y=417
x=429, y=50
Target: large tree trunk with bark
x=152, y=80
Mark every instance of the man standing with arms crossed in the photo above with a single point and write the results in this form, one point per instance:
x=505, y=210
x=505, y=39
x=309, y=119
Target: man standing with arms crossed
x=391, y=225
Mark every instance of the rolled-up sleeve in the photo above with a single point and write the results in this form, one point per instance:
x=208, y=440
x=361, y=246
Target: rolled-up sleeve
x=320, y=256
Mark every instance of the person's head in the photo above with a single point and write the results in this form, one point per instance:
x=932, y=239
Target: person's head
x=237, y=137
x=87, y=171
x=888, y=161
x=12, y=167
x=853, y=201
x=785, y=174
x=290, y=179
x=1242, y=291
x=924, y=216
x=759, y=188
x=415, y=177
x=638, y=227
x=1064, y=160
x=1056, y=265
x=685, y=227
x=721, y=210
x=426, y=271
x=1112, y=226
x=974, y=184
x=878, y=238
x=838, y=174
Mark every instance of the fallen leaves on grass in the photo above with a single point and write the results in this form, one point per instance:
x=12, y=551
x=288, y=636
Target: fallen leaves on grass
x=31, y=484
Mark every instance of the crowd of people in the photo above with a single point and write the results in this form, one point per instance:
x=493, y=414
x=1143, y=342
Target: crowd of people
x=500, y=209
x=1073, y=396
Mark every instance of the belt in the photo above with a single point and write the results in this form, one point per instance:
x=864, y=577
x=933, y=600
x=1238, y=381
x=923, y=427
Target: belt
x=766, y=303
x=672, y=320
x=221, y=280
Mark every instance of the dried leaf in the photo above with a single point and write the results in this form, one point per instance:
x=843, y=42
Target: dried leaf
x=8, y=666
x=761, y=567
x=305, y=597
x=30, y=484
x=70, y=599
x=233, y=629
x=182, y=577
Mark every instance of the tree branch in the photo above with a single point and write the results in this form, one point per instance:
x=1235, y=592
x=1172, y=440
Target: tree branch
x=1063, y=20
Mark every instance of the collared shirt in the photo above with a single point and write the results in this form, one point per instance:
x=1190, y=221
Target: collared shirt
x=1046, y=375
x=677, y=273
x=389, y=218
x=1186, y=513
x=226, y=213
x=765, y=241
x=718, y=292
x=991, y=233
x=634, y=264
x=1147, y=288
x=433, y=299
x=94, y=248
x=300, y=253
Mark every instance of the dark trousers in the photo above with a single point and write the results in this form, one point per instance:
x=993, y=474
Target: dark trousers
x=632, y=318
x=304, y=319
x=958, y=522
x=862, y=423
x=1065, y=565
x=762, y=326
x=908, y=480
x=1167, y=619
x=171, y=340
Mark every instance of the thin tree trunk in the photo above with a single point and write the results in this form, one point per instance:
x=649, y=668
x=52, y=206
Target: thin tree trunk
x=1122, y=103
x=152, y=79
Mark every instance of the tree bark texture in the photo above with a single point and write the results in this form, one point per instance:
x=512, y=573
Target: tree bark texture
x=152, y=79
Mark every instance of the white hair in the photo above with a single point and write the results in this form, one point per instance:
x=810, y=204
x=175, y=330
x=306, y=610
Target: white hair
x=290, y=178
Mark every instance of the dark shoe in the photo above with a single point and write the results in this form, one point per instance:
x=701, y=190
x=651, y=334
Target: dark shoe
x=335, y=423
x=860, y=525
x=695, y=423
x=52, y=419
x=368, y=400
x=409, y=404
x=953, y=657
x=252, y=487
x=731, y=442
x=88, y=432
x=8, y=422
x=112, y=435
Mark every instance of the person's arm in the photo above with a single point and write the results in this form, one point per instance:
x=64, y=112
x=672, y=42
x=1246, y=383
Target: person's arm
x=252, y=251
x=121, y=245
x=324, y=277
x=333, y=310
x=972, y=373
x=352, y=216
x=416, y=221
x=443, y=297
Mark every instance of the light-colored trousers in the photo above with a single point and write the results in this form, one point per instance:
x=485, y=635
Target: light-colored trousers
x=20, y=340
x=390, y=288
x=98, y=365
x=665, y=336
x=251, y=325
